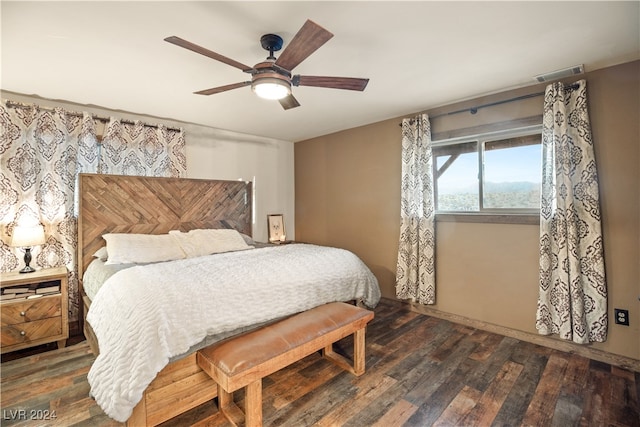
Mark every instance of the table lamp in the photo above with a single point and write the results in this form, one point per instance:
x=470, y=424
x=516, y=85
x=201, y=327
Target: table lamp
x=26, y=237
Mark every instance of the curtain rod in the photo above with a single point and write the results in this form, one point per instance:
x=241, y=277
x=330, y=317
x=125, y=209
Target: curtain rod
x=14, y=104
x=474, y=110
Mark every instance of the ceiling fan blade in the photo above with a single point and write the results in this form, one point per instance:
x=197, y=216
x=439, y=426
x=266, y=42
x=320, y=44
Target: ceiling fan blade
x=306, y=41
x=219, y=89
x=206, y=52
x=349, y=83
x=289, y=102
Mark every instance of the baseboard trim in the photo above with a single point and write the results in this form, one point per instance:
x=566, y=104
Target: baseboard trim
x=545, y=341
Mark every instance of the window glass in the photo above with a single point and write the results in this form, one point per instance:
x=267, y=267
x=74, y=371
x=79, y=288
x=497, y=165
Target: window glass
x=512, y=175
x=489, y=173
x=457, y=177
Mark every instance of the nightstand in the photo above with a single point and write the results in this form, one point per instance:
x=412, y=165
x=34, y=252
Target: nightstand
x=34, y=309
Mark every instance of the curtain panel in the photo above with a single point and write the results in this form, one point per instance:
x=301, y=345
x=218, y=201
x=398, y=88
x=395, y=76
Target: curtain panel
x=415, y=274
x=42, y=152
x=573, y=293
x=142, y=150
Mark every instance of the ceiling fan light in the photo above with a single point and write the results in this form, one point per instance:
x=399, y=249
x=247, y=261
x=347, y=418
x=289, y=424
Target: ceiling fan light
x=271, y=88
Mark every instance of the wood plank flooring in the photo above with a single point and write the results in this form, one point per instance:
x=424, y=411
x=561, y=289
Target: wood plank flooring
x=421, y=371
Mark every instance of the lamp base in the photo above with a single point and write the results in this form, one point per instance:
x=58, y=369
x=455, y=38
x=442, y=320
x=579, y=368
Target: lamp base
x=27, y=260
x=27, y=269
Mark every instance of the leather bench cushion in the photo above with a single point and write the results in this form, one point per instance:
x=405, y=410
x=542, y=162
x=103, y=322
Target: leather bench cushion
x=256, y=347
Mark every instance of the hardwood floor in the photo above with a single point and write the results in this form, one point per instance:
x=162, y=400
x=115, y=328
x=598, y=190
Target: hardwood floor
x=421, y=371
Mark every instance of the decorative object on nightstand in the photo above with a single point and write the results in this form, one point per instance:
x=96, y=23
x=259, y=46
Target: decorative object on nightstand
x=35, y=309
x=275, y=225
x=26, y=237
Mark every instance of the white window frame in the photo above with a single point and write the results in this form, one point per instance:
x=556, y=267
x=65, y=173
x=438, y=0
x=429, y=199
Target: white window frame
x=481, y=139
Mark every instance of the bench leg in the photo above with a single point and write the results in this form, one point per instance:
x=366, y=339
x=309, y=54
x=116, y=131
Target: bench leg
x=253, y=404
x=358, y=367
x=224, y=399
x=358, y=352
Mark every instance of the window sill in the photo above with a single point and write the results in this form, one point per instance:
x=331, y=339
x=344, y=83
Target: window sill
x=528, y=219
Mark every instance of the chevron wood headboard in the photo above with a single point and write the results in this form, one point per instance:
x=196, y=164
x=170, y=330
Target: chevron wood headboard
x=150, y=205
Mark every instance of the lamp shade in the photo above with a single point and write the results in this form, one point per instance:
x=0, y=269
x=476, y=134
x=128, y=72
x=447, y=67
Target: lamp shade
x=27, y=236
x=271, y=88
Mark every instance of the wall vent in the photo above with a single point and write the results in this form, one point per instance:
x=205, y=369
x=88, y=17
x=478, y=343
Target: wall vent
x=559, y=74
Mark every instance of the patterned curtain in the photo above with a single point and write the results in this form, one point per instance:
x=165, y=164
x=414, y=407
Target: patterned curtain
x=573, y=293
x=415, y=275
x=42, y=152
x=142, y=150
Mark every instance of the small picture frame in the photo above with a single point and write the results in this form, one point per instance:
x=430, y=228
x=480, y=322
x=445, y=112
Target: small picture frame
x=275, y=225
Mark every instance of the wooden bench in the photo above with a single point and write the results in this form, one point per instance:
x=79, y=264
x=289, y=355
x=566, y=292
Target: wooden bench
x=244, y=360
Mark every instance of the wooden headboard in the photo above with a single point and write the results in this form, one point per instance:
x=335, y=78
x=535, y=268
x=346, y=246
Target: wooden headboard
x=149, y=205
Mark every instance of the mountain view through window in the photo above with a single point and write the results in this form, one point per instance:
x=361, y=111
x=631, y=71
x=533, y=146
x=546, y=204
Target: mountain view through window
x=489, y=175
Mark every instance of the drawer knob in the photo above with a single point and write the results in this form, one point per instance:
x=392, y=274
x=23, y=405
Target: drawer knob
x=23, y=333
x=22, y=313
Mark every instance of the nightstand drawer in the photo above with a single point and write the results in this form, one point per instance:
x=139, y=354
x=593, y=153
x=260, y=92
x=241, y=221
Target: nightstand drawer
x=31, y=309
x=31, y=331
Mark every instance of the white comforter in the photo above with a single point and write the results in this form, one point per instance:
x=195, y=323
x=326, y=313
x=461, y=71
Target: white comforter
x=144, y=315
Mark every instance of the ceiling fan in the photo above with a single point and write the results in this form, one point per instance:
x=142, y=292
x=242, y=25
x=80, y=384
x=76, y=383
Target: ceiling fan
x=272, y=79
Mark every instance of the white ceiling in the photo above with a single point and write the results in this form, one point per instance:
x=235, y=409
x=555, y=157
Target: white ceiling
x=417, y=54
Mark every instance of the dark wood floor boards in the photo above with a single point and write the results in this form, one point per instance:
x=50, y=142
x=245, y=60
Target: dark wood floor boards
x=570, y=400
x=51, y=388
x=515, y=405
x=439, y=391
x=421, y=371
x=372, y=391
x=24, y=385
x=541, y=408
x=441, y=377
x=626, y=395
x=405, y=359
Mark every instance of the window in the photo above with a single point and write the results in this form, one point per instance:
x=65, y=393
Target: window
x=497, y=173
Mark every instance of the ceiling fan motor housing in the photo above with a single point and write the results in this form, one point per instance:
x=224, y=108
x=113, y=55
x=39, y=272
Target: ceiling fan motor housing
x=271, y=43
x=269, y=69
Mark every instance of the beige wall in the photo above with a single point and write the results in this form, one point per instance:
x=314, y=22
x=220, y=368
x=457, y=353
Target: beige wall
x=219, y=154
x=347, y=188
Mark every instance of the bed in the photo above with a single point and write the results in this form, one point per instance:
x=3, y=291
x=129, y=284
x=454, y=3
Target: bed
x=282, y=280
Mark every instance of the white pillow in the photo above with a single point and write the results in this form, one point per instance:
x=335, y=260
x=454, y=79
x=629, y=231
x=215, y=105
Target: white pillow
x=141, y=248
x=210, y=241
x=101, y=254
x=248, y=239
